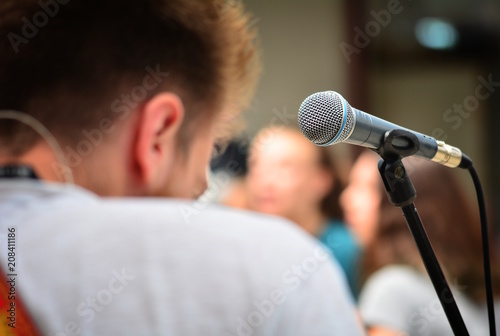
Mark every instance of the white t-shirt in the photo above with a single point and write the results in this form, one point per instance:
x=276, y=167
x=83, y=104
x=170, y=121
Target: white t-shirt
x=92, y=266
x=403, y=299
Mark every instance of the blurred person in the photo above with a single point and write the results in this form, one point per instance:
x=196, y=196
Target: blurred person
x=362, y=197
x=230, y=166
x=134, y=94
x=398, y=297
x=235, y=194
x=288, y=176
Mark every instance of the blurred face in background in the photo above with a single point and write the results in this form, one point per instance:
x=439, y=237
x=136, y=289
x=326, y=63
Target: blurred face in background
x=361, y=198
x=285, y=177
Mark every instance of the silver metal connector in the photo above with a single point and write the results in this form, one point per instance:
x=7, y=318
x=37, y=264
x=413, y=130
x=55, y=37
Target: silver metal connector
x=447, y=155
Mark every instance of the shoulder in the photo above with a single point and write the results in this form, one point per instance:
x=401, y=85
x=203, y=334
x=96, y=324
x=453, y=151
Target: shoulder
x=210, y=256
x=393, y=295
x=393, y=280
x=339, y=239
x=148, y=224
x=217, y=222
x=78, y=216
x=81, y=205
x=396, y=274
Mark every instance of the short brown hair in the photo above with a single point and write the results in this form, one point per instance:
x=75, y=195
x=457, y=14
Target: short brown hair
x=64, y=62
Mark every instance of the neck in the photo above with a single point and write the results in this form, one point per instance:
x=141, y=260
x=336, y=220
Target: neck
x=312, y=221
x=43, y=161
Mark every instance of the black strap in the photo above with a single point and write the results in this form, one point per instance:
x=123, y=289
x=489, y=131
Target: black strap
x=17, y=172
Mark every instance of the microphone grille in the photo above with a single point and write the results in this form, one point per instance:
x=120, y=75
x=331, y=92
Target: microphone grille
x=325, y=118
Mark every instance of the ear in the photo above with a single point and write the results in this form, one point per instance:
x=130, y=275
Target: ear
x=155, y=146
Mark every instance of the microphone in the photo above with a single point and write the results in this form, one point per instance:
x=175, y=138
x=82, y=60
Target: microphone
x=326, y=118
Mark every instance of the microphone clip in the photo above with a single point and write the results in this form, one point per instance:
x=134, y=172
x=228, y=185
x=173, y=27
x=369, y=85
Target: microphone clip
x=398, y=144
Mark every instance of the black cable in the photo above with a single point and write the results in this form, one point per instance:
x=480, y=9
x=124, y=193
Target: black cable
x=486, y=249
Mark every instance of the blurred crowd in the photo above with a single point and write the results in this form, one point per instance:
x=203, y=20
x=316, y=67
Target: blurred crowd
x=283, y=174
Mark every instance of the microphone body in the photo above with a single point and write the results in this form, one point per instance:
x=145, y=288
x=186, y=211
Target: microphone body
x=326, y=118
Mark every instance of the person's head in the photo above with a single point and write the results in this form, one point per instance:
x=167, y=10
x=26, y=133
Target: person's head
x=362, y=196
x=230, y=166
x=290, y=177
x=133, y=91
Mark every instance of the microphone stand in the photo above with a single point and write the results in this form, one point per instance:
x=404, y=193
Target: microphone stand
x=396, y=145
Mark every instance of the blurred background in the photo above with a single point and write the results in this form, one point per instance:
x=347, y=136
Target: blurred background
x=431, y=66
